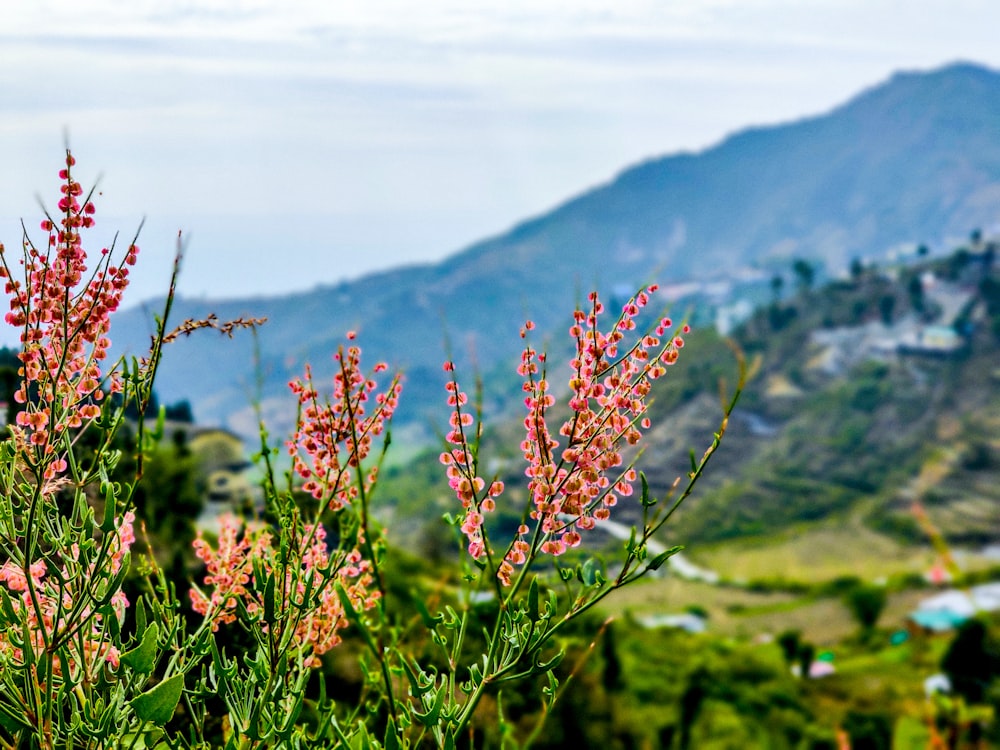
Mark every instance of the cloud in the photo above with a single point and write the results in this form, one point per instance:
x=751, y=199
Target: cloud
x=392, y=130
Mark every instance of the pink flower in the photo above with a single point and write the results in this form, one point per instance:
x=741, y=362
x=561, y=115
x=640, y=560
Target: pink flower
x=63, y=309
x=316, y=621
x=333, y=437
x=56, y=594
x=577, y=474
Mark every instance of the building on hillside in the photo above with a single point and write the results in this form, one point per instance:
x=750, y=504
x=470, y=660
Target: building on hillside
x=225, y=471
x=952, y=608
x=687, y=621
x=935, y=341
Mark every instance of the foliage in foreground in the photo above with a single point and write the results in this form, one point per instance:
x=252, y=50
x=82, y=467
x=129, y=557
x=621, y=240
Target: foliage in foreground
x=87, y=662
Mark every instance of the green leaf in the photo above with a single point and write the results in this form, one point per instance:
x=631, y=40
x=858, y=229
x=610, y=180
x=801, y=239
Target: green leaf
x=553, y=685
x=12, y=720
x=590, y=573
x=420, y=681
x=140, y=615
x=430, y=717
x=533, y=600
x=6, y=606
x=647, y=501
x=144, y=741
x=142, y=658
x=391, y=741
x=269, y=603
x=425, y=615
x=657, y=562
x=110, y=506
x=548, y=666
x=158, y=703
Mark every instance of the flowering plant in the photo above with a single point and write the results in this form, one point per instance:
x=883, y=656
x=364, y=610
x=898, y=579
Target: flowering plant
x=98, y=651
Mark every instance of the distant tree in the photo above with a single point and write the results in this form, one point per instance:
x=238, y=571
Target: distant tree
x=923, y=251
x=9, y=383
x=857, y=269
x=168, y=498
x=692, y=698
x=611, y=678
x=789, y=642
x=858, y=310
x=807, y=653
x=886, y=306
x=9, y=380
x=180, y=411
x=976, y=237
x=779, y=316
x=958, y=261
x=869, y=730
x=804, y=273
x=866, y=603
x=777, y=283
x=915, y=288
x=972, y=661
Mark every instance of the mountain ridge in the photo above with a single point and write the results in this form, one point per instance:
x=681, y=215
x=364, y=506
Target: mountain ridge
x=912, y=160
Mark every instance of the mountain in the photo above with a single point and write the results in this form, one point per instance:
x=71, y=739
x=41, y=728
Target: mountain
x=913, y=160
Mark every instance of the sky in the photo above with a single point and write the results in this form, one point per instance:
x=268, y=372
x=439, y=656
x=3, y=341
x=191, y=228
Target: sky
x=303, y=142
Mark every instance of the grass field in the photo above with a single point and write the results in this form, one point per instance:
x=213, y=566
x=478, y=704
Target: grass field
x=810, y=555
x=820, y=554
x=740, y=613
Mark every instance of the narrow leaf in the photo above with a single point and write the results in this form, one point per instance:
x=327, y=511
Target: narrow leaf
x=391, y=741
x=647, y=501
x=110, y=508
x=269, y=604
x=657, y=562
x=430, y=718
x=429, y=620
x=533, y=600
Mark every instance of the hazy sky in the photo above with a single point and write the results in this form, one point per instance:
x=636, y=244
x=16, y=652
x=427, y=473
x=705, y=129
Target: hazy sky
x=305, y=141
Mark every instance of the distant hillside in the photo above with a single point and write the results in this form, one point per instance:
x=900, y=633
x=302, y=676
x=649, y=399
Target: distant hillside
x=871, y=394
x=916, y=159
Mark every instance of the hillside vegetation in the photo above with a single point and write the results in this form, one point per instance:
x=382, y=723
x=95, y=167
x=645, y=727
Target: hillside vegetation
x=846, y=422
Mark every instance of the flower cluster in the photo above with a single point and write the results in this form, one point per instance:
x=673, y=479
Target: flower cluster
x=48, y=604
x=63, y=310
x=333, y=438
x=572, y=483
x=306, y=596
x=461, y=463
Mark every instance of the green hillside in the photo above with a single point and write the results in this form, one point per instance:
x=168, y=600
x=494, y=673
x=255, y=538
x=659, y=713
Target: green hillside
x=846, y=422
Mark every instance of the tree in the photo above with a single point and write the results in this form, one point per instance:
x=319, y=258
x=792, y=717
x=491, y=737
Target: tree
x=866, y=603
x=789, y=642
x=972, y=661
x=886, y=306
x=180, y=411
x=869, y=730
x=804, y=273
x=857, y=269
x=915, y=288
x=777, y=283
